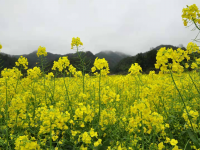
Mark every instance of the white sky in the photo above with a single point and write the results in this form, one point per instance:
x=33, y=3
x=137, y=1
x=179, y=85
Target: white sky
x=129, y=26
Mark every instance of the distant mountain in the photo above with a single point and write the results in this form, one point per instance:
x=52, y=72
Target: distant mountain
x=112, y=57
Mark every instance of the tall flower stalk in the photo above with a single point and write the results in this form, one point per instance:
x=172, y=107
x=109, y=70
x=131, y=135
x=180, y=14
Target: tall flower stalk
x=22, y=61
x=42, y=52
x=101, y=66
x=61, y=65
x=77, y=42
x=6, y=110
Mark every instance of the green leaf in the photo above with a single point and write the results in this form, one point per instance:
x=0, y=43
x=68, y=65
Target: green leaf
x=105, y=145
x=193, y=138
x=187, y=146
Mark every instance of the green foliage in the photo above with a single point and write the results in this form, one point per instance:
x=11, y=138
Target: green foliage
x=6, y=61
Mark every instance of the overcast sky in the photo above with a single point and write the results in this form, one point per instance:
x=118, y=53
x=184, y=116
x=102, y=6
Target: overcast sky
x=129, y=26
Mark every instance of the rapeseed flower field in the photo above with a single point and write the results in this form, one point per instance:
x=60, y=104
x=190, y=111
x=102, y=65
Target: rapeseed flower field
x=129, y=112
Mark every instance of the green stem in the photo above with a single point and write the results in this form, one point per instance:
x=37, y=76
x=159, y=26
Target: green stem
x=142, y=132
x=54, y=86
x=66, y=88
x=50, y=136
x=6, y=115
x=44, y=78
x=99, y=95
x=18, y=80
x=182, y=100
x=194, y=84
x=195, y=24
x=83, y=67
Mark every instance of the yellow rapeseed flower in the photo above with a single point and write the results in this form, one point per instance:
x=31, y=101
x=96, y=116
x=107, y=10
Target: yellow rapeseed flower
x=173, y=142
x=61, y=64
x=186, y=65
x=190, y=13
x=41, y=51
x=135, y=69
x=76, y=42
x=160, y=146
x=102, y=65
x=176, y=148
x=185, y=22
x=86, y=138
x=22, y=61
x=92, y=133
x=97, y=143
x=192, y=47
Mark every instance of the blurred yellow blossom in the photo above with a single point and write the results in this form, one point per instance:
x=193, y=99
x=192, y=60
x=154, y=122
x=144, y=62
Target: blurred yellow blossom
x=41, y=51
x=76, y=42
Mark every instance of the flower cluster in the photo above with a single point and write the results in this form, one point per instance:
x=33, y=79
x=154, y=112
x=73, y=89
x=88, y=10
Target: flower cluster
x=141, y=112
x=107, y=118
x=11, y=73
x=34, y=73
x=97, y=143
x=191, y=13
x=192, y=47
x=177, y=56
x=173, y=142
x=102, y=65
x=195, y=64
x=193, y=115
x=17, y=112
x=22, y=61
x=23, y=142
x=87, y=138
x=0, y=46
x=72, y=69
x=52, y=120
x=62, y=63
x=83, y=113
x=76, y=42
x=41, y=51
x=135, y=69
x=52, y=115
x=50, y=74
